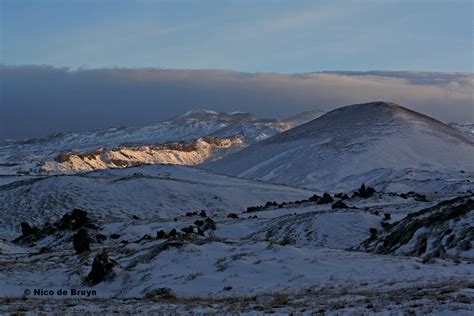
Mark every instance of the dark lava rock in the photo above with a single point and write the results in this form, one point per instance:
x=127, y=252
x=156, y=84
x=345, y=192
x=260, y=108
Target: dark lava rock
x=443, y=227
x=345, y=197
x=233, y=215
x=325, y=199
x=192, y=230
x=173, y=233
x=208, y=224
x=161, y=234
x=79, y=218
x=339, y=204
x=198, y=222
x=27, y=230
x=100, y=238
x=102, y=268
x=135, y=217
x=373, y=232
x=203, y=213
x=81, y=241
x=115, y=236
x=420, y=197
x=65, y=222
x=364, y=192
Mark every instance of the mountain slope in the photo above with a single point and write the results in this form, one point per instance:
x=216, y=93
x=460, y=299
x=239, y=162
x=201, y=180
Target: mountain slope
x=95, y=149
x=371, y=142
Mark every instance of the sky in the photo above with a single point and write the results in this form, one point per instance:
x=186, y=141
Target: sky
x=40, y=100
x=248, y=36
x=78, y=65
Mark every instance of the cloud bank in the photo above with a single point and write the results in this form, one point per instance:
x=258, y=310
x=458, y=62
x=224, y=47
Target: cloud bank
x=39, y=100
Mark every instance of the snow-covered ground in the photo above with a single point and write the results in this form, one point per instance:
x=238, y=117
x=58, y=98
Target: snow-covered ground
x=183, y=240
x=297, y=257
x=379, y=143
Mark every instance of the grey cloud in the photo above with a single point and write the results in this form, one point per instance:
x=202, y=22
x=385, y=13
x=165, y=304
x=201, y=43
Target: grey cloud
x=39, y=100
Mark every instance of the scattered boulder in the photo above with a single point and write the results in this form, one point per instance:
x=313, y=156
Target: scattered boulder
x=188, y=230
x=325, y=199
x=173, y=233
x=81, y=241
x=339, y=204
x=203, y=213
x=233, y=215
x=161, y=234
x=27, y=230
x=75, y=220
x=387, y=216
x=373, y=232
x=364, y=192
x=79, y=218
x=100, y=238
x=135, y=217
x=102, y=268
x=420, y=197
x=192, y=230
x=208, y=224
x=198, y=222
x=65, y=222
x=115, y=236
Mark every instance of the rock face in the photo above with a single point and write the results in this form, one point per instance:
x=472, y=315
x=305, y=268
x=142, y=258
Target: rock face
x=444, y=230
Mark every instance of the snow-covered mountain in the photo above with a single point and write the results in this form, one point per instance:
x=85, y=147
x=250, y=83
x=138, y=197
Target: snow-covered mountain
x=379, y=143
x=195, y=136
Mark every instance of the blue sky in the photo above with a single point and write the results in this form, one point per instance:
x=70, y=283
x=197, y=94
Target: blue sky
x=249, y=36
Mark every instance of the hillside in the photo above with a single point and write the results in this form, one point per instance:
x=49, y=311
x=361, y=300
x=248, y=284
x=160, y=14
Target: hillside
x=382, y=144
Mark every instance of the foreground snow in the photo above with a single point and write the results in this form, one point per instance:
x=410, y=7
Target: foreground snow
x=293, y=258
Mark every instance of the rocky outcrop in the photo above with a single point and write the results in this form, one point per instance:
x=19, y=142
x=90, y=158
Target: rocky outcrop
x=444, y=230
x=182, y=153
